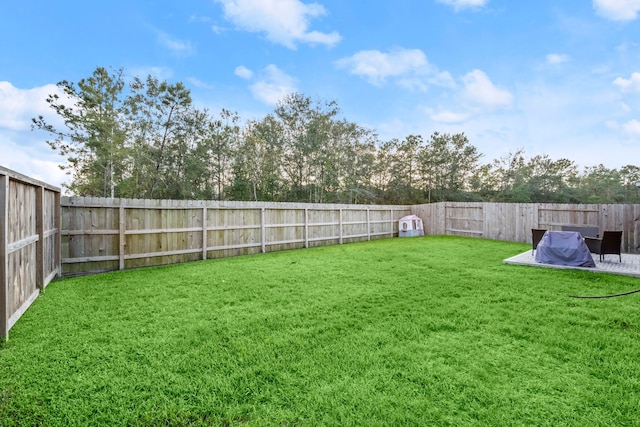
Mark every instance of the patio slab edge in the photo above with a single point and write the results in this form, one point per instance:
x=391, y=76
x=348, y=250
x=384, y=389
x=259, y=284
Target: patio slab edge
x=630, y=265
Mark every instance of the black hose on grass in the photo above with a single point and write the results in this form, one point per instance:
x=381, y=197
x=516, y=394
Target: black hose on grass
x=605, y=296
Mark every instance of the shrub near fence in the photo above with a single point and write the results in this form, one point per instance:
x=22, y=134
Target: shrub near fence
x=29, y=243
x=100, y=234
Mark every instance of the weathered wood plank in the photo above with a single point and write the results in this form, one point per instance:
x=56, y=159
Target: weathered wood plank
x=163, y=230
x=157, y=229
x=29, y=240
x=514, y=221
x=29, y=234
x=4, y=255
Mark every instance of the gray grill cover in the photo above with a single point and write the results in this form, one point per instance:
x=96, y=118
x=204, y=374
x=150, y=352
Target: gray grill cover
x=564, y=248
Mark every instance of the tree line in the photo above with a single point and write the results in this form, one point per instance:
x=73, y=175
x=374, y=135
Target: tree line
x=144, y=138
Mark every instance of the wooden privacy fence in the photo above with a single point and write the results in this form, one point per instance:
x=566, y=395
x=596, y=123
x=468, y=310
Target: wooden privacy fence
x=43, y=235
x=100, y=234
x=29, y=243
x=513, y=221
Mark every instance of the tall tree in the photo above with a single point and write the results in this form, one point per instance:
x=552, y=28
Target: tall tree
x=357, y=155
x=93, y=141
x=447, y=165
x=630, y=177
x=257, y=166
x=158, y=115
x=511, y=174
x=551, y=181
x=221, y=141
x=599, y=184
x=382, y=169
x=304, y=126
x=404, y=169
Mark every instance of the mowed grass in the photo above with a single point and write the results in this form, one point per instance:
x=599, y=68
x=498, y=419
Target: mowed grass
x=419, y=331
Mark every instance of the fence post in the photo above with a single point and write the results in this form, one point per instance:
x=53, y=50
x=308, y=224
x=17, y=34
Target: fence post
x=306, y=227
x=391, y=221
x=204, y=233
x=263, y=237
x=40, y=244
x=340, y=239
x=122, y=236
x=368, y=224
x=4, y=264
x=57, y=240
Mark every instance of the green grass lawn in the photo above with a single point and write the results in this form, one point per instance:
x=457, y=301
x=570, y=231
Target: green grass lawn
x=420, y=331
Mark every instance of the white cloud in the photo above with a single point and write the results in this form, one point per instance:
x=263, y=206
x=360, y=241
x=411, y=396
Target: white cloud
x=478, y=89
x=31, y=160
x=449, y=117
x=178, y=47
x=376, y=66
x=557, y=58
x=218, y=29
x=161, y=73
x=200, y=84
x=409, y=67
x=617, y=10
x=243, y=72
x=392, y=127
x=23, y=150
x=198, y=18
x=464, y=4
x=272, y=85
x=632, y=128
x=629, y=130
x=285, y=22
x=629, y=85
x=19, y=106
x=612, y=124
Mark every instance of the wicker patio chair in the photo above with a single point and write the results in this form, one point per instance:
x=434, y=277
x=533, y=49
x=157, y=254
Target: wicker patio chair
x=608, y=245
x=536, y=236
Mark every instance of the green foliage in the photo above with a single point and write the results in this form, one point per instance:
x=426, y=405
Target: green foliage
x=145, y=139
x=93, y=141
x=420, y=331
x=447, y=165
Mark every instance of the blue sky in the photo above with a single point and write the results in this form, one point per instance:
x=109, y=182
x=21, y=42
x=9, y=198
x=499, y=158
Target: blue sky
x=550, y=77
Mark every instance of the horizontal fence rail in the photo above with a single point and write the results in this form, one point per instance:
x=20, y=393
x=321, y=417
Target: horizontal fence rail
x=44, y=235
x=30, y=243
x=513, y=222
x=102, y=234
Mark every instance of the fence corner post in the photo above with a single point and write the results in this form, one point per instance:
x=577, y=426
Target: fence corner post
x=40, y=220
x=4, y=264
x=57, y=240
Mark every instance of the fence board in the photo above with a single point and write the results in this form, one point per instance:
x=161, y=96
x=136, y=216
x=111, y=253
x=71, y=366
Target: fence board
x=513, y=221
x=98, y=234
x=29, y=231
x=160, y=232
x=4, y=257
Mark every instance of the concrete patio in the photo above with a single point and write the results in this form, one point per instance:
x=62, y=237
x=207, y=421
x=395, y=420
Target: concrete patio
x=630, y=265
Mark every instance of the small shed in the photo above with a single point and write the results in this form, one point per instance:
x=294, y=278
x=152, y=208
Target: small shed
x=410, y=226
